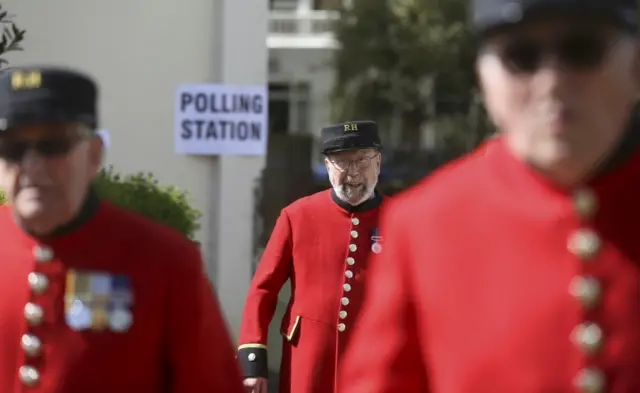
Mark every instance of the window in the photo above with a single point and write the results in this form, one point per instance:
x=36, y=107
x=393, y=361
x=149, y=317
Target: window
x=334, y=5
x=279, y=109
x=289, y=107
x=283, y=5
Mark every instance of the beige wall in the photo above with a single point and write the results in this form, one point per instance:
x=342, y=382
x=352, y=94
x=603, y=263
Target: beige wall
x=140, y=50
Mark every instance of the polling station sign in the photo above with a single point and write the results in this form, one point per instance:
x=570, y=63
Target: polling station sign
x=221, y=120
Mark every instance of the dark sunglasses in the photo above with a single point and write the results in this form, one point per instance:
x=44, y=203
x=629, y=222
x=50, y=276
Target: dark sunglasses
x=578, y=51
x=15, y=150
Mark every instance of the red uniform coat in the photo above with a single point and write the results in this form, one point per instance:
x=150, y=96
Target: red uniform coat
x=321, y=244
x=58, y=331
x=493, y=281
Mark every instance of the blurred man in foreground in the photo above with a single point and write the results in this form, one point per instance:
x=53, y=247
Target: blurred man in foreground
x=321, y=243
x=92, y=298
x=517, y=268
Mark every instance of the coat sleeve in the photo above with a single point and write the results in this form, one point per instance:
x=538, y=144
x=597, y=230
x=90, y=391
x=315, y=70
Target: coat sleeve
x=201, y=356
x=273, y=271
x=384, y=354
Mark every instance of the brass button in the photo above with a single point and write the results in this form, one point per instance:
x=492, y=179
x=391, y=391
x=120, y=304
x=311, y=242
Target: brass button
x=343, y=314
x=348, y=273
x=251, y=357
x=586, y=290
x=585, y=203
x=590, y=380
x=344, y=301
x=43, y=254
x=588, y=337
x=353, y=247
x=33, y=313
x=354, y=234
x=584, y=243
x=38, y=282
x=346, y=287
x=29, y=375
x=31, y=344
x=342, y=327
x=351, y=261
x=355, y=221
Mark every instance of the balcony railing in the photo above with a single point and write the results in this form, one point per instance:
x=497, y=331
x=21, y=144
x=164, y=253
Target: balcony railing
x=311, y=29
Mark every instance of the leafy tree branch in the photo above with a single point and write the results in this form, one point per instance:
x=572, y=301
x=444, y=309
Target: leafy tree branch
x=12, y=36
x=406, y=64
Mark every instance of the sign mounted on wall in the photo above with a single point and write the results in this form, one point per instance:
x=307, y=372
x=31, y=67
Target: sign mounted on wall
x=221, y=120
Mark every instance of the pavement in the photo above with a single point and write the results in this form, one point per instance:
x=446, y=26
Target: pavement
x=273, y=382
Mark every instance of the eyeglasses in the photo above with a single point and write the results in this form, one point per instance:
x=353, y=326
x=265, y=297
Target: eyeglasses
x=14, y=150
x=577, y=50
x=359, y=163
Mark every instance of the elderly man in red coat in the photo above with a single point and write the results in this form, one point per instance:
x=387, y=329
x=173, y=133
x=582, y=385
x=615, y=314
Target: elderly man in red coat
x=93, y=299
x=517, y=268
x=321, y=243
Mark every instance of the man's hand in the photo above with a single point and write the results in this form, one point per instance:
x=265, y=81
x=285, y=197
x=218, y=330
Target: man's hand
x=255, y=385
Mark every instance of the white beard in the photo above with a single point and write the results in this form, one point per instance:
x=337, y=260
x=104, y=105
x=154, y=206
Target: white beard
x=368, y=194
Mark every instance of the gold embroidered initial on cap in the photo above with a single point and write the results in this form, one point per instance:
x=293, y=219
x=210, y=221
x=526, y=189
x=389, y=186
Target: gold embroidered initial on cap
x=26, y=80
x=350, y=127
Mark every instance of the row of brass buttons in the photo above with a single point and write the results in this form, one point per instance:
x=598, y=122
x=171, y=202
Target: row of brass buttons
x=348, y=274
x=585, y=244
x=34, y=314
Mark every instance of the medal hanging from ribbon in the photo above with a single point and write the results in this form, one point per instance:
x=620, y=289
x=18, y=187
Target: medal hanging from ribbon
x=376, y=241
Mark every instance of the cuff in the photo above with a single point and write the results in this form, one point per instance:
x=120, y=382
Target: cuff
x=253, y=360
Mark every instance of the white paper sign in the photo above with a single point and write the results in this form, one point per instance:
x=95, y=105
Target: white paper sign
x=106, y=138
x=221, y=120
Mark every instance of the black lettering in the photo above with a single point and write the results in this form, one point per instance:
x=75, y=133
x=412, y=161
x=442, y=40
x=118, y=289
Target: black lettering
x=231, y=130
x=228, y=103
x=220, y=104
x=187, y=132
x=244, y=103
x=242, y=131
x=185, y=100
x=256, y=104
x=201, y=102
x=199, y=126
x=212, y=131
x=220, y=130
x=256, y=131
x=235, y=103
x=214, y=104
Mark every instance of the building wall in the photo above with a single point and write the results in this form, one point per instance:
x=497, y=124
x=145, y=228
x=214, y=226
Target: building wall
x=307, y=65
x=140, y=51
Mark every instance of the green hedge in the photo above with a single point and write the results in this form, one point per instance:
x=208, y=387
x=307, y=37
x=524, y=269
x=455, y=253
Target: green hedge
x=142, y=193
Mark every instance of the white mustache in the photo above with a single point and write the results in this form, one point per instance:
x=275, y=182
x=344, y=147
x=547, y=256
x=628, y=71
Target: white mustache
x=349, y=178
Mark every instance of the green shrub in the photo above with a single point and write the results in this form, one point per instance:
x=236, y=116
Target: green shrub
x=143, y=194
x=3, y=200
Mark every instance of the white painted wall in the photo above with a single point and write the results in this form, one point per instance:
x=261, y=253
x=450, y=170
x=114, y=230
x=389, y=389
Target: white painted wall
x=140, y=51
x=243, y=59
